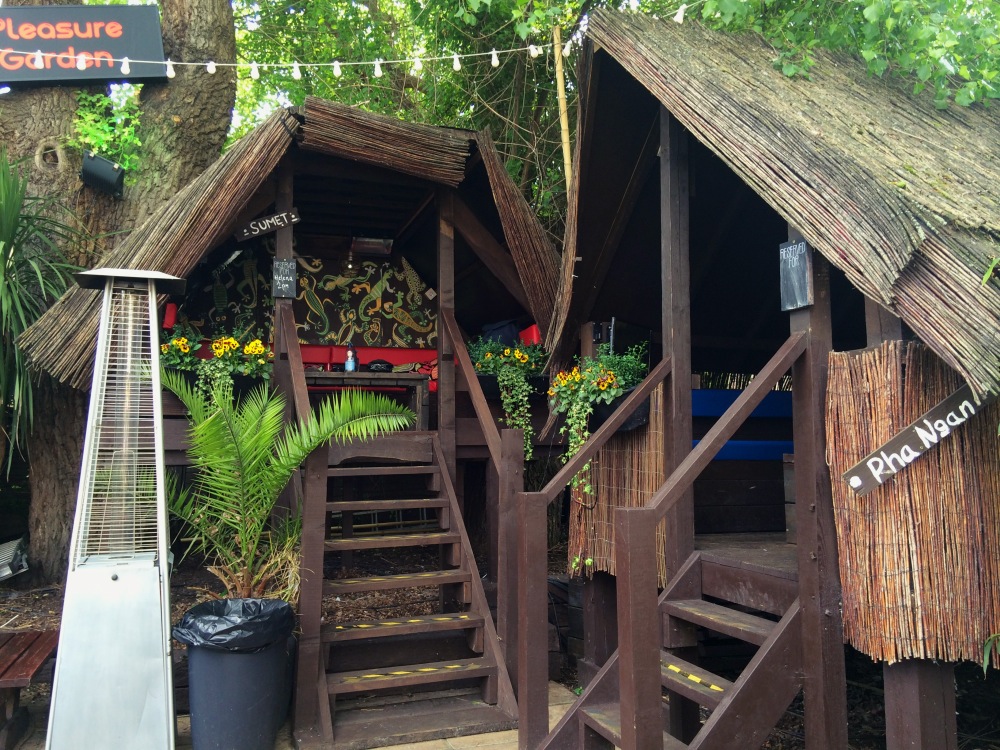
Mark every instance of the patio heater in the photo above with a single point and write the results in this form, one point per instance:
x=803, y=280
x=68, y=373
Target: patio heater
x=112, y=686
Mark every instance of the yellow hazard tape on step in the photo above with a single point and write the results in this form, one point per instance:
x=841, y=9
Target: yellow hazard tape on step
x=401, y=673
x=694, y=678
x=391, y=623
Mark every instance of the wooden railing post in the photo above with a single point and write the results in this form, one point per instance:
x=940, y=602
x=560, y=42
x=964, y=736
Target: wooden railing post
x=638, y=628
x=511, y=483
x=532, y=609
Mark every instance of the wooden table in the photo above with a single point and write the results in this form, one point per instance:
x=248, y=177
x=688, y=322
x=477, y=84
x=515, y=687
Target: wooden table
x=415, y=383
x=22, y=656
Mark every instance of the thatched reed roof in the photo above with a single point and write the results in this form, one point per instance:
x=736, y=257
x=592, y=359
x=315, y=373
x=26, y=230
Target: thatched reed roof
x=903, y=198
x=210, y=209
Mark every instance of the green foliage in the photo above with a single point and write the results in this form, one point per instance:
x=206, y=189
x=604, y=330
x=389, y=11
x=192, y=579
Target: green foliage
x=948, y=46
x=244, y=455
x=33, y=273
x=239, y=353
x=109, y=127
x=512, y=367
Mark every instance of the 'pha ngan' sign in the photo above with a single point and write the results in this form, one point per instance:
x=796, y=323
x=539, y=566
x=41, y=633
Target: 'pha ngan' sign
x=80, y=44
x=903, y=449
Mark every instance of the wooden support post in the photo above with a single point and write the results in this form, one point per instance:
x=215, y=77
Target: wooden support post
x=880, y=324
x=920, y=705
x=675, y=281
x=638, y=629
x=532, y=613
x=600, y=625
x=511, y=483
x=310, y=672
x=825, y=682
x=446, y=347
x=283, y=376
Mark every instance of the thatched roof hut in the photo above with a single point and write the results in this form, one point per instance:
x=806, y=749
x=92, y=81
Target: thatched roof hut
x=401, y=166
x=904, y=199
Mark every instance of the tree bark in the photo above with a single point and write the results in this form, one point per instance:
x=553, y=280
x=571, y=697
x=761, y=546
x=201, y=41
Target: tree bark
x=183, y=126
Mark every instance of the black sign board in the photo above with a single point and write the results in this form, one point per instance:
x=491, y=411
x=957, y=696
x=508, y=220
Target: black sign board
x=284, y=278
x=80, y=44
x=903, y=449
x=268, y=224
x=796, y=275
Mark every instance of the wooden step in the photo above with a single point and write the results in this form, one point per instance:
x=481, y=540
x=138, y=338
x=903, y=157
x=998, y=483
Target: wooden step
x=398, y=581
x=350, y=631
x=381, y=471
x=741, y=625
x=387, y=541
x=692, y=681
x=362, y=680
x=606, y=720
x=361, y=506
x=390, y=720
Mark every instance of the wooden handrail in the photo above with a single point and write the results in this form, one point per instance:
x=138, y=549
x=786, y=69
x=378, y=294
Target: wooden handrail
x=468, y=370
x=290, y=346
x=695, y=462
x=597, y=440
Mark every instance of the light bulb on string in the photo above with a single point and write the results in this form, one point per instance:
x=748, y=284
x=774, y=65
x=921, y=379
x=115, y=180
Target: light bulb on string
x=456, y=64
x=37, y=61
x=126, y=68
x=494, y=59
x=378, y=68
x=210, y=67
x=417, y=66
x=81, y=62
x=567, y=47
x=336, y=69
x=171, y=73
x=679, y=15
x=254, y=71
x=296, y=71
x=533, y=50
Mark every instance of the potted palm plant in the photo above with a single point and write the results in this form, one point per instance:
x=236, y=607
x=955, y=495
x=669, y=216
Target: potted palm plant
x=243, y=455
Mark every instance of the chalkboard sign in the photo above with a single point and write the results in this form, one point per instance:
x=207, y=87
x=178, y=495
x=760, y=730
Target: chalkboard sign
x=796, y=275
x=284, y=278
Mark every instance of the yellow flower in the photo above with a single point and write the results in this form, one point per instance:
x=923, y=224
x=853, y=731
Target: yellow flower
x=552, y=391
x=184, y=348
x=506, y=352
x=164, y=348
x=488, y=355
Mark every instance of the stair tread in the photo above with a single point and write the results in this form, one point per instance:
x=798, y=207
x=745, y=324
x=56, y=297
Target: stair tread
x=348, y=631
x=692, y=681
x=606, y=719
x=381, y=678
x=394, y=470
x=396, y=581
x=746, y=627
x=343, y=506
x=383, y=541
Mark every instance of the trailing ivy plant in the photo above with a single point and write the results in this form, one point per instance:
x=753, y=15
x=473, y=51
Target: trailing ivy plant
x=109, y=127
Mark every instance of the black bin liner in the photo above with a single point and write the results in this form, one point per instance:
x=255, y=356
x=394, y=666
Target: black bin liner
x=240, y=663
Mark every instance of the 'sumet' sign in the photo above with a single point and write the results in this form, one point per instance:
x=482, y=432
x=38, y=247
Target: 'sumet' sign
x=914, y=441
x=80, y=44
x=267, y=224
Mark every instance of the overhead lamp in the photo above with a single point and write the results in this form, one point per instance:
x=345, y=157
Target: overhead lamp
x=103, y=174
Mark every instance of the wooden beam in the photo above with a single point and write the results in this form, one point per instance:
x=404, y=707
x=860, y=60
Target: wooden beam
x=446, y=347
x=920, y=705
x=489, y=251
x=881, y=324
x=532, y=609
x=511, y=483
x=825, y=682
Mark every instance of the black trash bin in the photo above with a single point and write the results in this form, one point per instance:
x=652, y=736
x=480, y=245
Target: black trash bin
x=239, y=671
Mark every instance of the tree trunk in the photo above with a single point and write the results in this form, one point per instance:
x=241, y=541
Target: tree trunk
x=183, y=126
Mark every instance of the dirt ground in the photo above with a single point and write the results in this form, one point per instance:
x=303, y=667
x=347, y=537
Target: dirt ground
x=23, y=606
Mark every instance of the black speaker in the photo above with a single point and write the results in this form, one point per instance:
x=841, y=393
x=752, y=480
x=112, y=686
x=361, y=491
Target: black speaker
x=102, y=174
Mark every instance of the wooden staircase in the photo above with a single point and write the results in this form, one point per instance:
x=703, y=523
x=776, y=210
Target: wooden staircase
x=740, y=594
x=394, y=680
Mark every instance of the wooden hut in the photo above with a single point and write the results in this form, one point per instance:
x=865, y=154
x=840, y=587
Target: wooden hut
x=754, y=226
x=401, y=240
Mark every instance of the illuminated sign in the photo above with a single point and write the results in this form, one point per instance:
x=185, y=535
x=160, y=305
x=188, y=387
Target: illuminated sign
x=80, y=44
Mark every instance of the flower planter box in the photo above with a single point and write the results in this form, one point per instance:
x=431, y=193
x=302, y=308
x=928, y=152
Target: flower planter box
x=602, y=413
x=491, y=388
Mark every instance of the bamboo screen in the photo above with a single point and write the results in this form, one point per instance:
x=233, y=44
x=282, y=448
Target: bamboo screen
x=920, y=555
x=625, y=473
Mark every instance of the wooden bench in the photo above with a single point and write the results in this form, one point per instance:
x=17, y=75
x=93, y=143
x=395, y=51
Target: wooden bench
x=22, y=656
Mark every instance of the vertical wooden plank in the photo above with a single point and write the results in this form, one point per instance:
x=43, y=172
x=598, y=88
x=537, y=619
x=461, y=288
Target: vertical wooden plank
x=638, y=629
x=532, y=613
x=675, y=283
x=920, y=705
x=510, y=483
x=446, y=348
x=880, y=324
x=307, y=720
x=600, y=625
x=284, y=201
x=824, y=685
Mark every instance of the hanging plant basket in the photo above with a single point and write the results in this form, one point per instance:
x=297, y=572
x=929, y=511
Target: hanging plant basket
x=602, y=413
x=491, y=388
